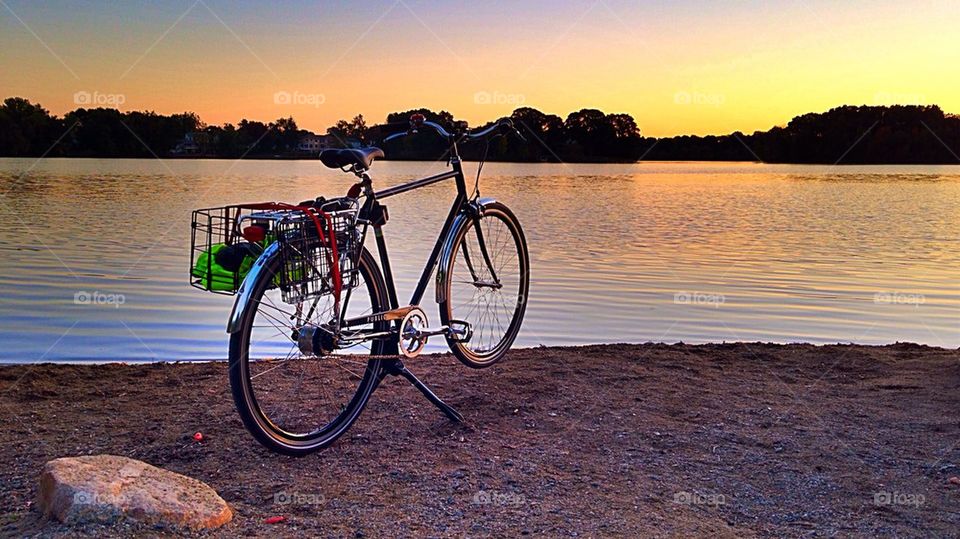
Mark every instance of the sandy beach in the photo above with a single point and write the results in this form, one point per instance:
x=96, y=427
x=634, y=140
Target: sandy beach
x=721, y=440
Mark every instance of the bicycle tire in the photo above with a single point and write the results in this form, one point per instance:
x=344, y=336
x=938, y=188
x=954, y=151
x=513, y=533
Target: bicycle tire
x=475, y=353
x=256, y=421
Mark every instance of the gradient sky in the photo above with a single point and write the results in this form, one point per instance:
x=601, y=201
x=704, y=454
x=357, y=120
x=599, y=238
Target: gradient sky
x=678, y=67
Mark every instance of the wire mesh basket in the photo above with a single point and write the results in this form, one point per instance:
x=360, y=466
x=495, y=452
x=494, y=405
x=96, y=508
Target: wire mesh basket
x=312, y=265
x=220, y=256
x=226, y=241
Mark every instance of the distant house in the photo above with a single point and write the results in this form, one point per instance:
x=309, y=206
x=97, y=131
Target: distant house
x=316, y=143
x=195, y=143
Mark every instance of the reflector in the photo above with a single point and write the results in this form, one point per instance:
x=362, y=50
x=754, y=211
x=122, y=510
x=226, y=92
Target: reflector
x=254, y=233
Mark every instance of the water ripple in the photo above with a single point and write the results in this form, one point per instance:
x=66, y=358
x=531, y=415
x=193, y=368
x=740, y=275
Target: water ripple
x=691, y=252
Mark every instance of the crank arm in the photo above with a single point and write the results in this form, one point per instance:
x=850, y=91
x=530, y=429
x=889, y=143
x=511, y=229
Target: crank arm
x=459, y=334
x=430, y=332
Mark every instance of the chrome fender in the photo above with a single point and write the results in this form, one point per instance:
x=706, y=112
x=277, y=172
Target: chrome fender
x=246, y=288
x=446, y=252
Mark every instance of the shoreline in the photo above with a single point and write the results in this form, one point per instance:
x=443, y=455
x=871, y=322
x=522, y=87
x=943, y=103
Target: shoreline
x=725, y=440
x=571, y=347
x=595, y=162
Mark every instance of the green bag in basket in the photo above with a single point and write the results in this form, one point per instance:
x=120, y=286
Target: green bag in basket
x=224, y=267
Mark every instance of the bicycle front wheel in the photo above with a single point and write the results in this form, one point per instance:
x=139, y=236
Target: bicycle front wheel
x=294, y=403
x=487, y=285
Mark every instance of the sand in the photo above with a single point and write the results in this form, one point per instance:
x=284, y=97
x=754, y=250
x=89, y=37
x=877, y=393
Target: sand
x=723, y=440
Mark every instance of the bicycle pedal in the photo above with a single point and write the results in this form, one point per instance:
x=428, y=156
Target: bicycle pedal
x=459, y=331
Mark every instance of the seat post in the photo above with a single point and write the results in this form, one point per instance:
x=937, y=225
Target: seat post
x=366, y=184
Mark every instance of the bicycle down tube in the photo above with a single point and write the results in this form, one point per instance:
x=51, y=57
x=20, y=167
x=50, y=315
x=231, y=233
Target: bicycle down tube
x=455, y=209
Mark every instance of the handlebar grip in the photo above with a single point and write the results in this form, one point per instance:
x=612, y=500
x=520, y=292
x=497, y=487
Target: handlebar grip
x=395, y=136
x=389, y=131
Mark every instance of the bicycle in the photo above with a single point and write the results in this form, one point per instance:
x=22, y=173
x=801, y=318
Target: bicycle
x=316, y=325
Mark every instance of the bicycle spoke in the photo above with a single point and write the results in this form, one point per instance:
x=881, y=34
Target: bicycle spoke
x=489, y=310
x=303, y=394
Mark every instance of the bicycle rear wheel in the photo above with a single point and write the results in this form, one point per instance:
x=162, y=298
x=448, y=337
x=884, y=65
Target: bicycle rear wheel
x=487, y=285
x=293, y=403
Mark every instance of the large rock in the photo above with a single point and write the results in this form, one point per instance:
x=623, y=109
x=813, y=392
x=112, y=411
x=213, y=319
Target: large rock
x=104, y=488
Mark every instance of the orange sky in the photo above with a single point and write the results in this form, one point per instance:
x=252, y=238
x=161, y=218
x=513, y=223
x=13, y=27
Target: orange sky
x=679, y=67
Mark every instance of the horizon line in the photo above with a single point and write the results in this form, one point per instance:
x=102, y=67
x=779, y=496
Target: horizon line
x=108, y=106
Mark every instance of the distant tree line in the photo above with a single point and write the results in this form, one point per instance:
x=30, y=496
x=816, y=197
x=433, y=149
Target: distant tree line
x=587, y=135
x=907, y=134
x=848, y=134
x=27, y=129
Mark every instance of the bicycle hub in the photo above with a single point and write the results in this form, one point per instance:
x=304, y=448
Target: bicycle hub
x=315, y=341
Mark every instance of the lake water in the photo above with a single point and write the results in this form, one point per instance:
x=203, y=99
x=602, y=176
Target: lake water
x=693, y=252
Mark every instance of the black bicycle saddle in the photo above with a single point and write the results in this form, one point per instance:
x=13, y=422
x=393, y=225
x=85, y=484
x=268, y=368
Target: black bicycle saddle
x=360, y=158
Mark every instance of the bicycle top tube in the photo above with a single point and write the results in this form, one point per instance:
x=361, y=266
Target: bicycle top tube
x=416, y=184
x=417, y=121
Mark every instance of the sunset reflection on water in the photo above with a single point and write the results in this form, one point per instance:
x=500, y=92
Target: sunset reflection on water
x=691, y=252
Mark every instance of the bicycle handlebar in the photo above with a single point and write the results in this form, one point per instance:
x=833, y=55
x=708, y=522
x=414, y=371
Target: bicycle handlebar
x=504, y=126
x=438, y=128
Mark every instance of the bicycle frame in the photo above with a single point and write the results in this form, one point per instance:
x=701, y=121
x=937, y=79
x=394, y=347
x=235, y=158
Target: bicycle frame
x=462, y=208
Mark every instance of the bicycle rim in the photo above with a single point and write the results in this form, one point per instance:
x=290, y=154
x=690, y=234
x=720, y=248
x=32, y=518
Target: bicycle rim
x=492, y=302
x=295, y=403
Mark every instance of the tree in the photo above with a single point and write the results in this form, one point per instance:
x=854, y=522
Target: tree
x=588, y=129
x=545, y=134
x=344, y=131
x=253, y=137
x=358, y=128
x=100, y=132
x=26, y=129
x=443, y=117
x=227, y=141
x=599, y=136
x=288, y=135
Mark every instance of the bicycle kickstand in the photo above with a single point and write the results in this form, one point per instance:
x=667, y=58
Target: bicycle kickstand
x=397, y=368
